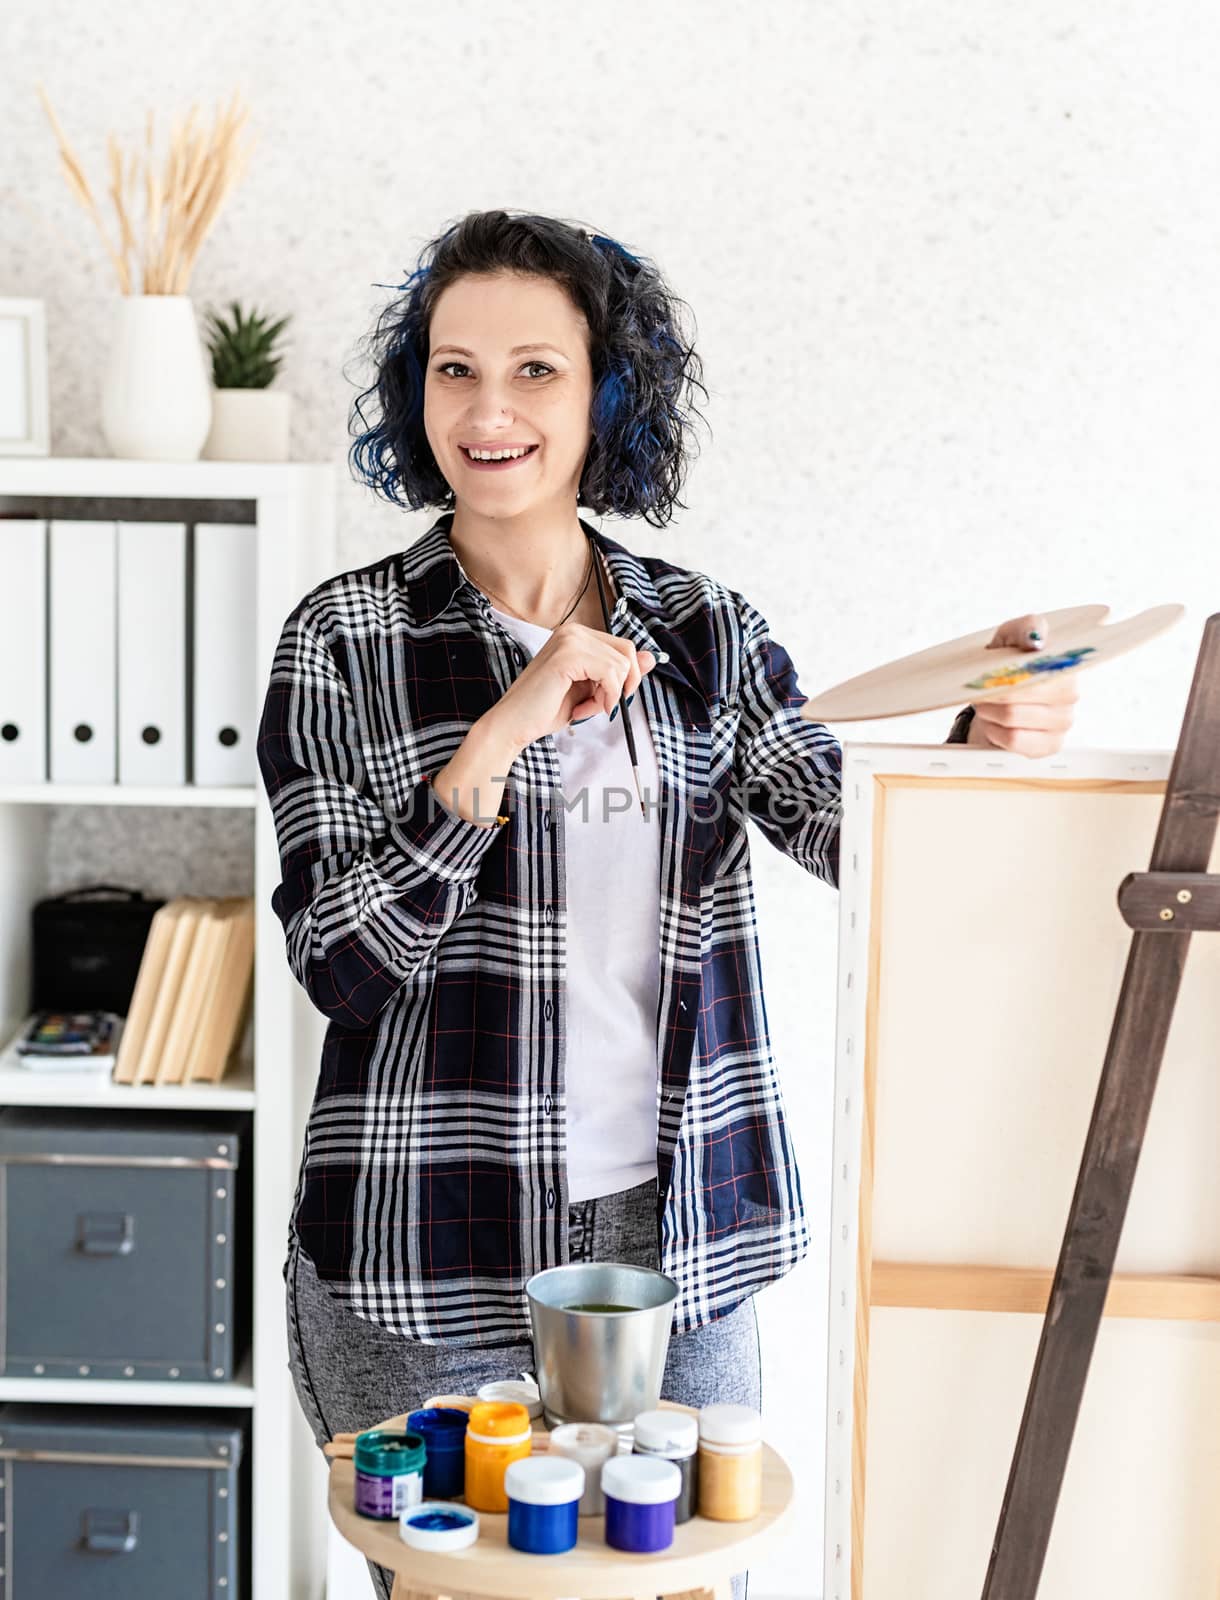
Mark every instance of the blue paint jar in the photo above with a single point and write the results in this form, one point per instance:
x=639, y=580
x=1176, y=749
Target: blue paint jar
x=389, y=1472
x=641, y=1494
x=543, y=1503
x=435, y=1525
x=443, y=1430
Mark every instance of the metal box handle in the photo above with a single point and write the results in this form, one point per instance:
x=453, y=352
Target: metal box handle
x=109, y=1532
x=105, y=1233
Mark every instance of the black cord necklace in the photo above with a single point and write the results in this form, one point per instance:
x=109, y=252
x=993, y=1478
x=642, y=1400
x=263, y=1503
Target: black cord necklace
x=583, y=587
x=566, y=614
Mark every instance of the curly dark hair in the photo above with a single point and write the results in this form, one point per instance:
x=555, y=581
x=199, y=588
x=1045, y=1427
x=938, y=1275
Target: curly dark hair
x=644, y=367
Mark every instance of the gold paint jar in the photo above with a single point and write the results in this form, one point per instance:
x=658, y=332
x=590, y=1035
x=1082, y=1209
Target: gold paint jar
x=730, y=1463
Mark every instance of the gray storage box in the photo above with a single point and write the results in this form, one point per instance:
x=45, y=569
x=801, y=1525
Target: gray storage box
x=119, y=1503
x=122, y=1245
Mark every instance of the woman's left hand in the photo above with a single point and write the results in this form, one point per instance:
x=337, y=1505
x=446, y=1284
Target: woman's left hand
x=1031, y=718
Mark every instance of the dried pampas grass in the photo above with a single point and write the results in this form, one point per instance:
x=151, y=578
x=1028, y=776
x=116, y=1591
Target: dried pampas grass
x=180, y=206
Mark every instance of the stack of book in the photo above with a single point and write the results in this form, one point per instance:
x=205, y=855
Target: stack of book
x=193, y=992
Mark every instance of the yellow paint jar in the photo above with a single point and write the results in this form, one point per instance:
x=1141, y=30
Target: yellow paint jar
x=498, y=1433
x=730, y=1463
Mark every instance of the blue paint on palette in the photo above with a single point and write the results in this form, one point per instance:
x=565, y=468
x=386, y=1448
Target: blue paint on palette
x=1019, y=672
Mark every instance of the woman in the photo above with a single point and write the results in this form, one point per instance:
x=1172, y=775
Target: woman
x=547, y=1034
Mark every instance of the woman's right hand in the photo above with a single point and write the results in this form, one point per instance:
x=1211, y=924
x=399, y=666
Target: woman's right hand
x=578, y=672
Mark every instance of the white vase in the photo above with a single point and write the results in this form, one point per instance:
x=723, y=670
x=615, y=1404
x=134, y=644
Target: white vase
x=249, y=425
x=156, y=391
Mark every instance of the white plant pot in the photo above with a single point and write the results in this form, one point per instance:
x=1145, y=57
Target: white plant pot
x=156, y=394
x=249, y=425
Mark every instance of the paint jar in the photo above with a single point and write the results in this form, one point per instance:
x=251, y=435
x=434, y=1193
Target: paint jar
x=455, y=1402
x=543, y=1500
x=730, y=1463
x=443, y=1430
x=592, y=1444
x=516, y=1390
x=673, y=1436
x=389, y=1472
x=497, y=1434
x=641, y=1492
x=434, y=1525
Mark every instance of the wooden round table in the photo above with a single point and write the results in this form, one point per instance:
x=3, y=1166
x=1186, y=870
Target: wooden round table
x=697, y=1566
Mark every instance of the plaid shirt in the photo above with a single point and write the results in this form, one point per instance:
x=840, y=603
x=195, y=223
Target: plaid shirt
x=433, y=1180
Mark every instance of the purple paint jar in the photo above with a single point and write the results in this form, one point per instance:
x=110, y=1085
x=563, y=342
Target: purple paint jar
x=641, y=1493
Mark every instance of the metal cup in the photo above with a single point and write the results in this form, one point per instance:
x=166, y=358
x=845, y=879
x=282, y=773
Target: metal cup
x=600, y=1366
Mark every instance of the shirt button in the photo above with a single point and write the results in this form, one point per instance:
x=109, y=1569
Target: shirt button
x=550, y=1199
x=546, y=819
x=548, y=1105
x=547, y=1010
x=549, y=914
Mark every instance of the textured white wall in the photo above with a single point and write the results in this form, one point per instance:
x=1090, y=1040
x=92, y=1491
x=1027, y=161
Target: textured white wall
x=953, y=269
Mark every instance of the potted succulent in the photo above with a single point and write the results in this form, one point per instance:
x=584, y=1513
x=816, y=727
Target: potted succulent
x=249, y=419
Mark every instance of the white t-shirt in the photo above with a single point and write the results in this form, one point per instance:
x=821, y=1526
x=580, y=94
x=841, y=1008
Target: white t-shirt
x=613, y=945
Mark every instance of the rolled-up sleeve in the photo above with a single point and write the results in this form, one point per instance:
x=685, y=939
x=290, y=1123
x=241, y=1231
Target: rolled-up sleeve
x=789, y=769
x=364, y=898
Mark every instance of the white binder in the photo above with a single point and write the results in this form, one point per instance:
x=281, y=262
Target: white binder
x=23, y=651
x=223, y=665
x=82, y=658
x=152, y=652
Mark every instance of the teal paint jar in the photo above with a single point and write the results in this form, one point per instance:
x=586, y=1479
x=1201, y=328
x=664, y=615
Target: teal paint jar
x=389, y=1472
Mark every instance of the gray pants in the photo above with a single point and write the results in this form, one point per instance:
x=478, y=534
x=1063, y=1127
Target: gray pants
x=351, y=1374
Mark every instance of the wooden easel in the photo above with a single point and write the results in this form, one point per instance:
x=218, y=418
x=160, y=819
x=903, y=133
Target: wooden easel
x=1176, y=897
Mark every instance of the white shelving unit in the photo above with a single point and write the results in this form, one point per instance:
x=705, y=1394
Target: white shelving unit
x=289, y=508
x=113, y=1391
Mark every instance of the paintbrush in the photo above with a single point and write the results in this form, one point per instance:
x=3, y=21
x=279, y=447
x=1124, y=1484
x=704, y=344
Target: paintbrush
x=343, y=1446
x=635, y=763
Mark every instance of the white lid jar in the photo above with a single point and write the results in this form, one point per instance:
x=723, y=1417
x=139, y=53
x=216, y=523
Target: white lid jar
x=730, y=1429
x=517, y=1390
x=641, y=1480
x=544, y=1480
x=543, y=1500
x=730, y=1463
x=592, y=1444
x=672, y=1434
x=641, y=1503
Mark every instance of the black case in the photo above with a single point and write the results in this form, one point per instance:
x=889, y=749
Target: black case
x=87, y=946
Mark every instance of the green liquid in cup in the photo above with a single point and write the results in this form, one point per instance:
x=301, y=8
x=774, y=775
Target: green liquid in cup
x=594, y=1305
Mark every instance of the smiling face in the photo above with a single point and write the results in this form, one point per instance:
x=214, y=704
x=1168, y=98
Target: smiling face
x=484, y=389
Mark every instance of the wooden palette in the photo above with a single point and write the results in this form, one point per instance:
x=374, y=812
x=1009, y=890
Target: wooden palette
x=964, y=671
